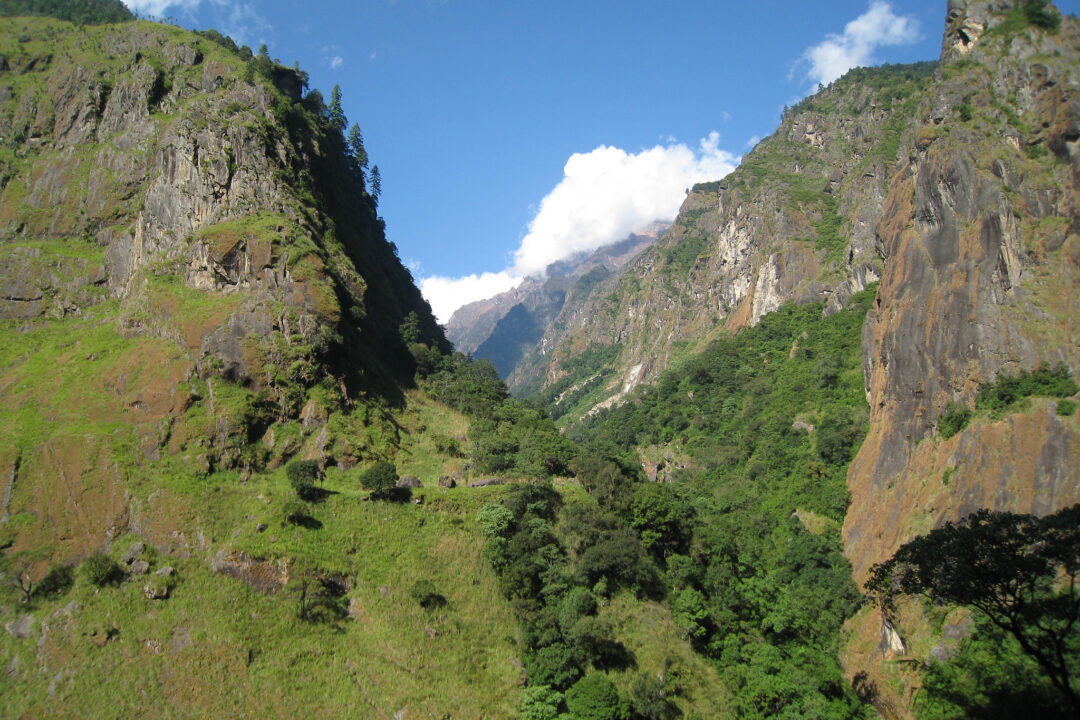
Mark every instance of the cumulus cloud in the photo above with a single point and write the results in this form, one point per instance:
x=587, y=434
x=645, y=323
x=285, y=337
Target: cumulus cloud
x=604, y=195
x=608, y=193
x=445, y=295
x=878, y=27
x=336, y=62
x=158, y=7
x=237, y=18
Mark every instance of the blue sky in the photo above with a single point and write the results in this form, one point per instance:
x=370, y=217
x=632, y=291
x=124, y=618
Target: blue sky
x=509, y=133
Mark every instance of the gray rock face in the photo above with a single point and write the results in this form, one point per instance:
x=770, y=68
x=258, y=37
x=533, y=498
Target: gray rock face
x=487, y=482
x=21, y=627
x=132, y=553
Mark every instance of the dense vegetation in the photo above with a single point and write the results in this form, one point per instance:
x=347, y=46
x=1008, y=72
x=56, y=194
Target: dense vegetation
x=755, y=434
x=1018, y=572
x=1007, y=393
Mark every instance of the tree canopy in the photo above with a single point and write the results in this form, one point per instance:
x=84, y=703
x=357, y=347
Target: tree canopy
x=1018, y=570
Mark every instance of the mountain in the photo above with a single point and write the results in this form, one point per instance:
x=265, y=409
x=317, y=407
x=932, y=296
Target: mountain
x=948, y=188
x=243, y=472
x=504, y=328
x=212, y=365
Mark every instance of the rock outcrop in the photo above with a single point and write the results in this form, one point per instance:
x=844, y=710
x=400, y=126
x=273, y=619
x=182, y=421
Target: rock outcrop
x=981, y=254
x=795, y=222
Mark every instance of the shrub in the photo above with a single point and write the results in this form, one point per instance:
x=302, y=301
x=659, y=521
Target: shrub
x=594, y=697
x=302, y=475
x=1039, y=15
x=380, y=476
x=1066, y=408
x=954, y=419
x=1006, y=390
x=495, y=520
x=541, y=703
x=100, y=569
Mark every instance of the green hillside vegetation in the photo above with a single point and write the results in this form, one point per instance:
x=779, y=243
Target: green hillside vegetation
x=744, y=538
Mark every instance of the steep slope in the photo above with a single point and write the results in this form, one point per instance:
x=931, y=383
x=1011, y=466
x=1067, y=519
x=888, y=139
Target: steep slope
x=981, y=280
x=196, y=290
x=794, y=222
x=506, y=328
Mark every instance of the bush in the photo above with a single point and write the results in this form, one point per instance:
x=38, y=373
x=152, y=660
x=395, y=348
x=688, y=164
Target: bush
x=1039, y=15
x=302, y=475
x=382, y=475
x=594, y=697
x=495, y=520
x=541, y=703
x=100, y=569
x=1006, y=390
x=954, y=419
x=1066, y=408
x=425, y=595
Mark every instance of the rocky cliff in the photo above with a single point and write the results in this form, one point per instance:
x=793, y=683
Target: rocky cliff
x=507, y=329
x=197, y=217
x=795, y=221
x=981, y=254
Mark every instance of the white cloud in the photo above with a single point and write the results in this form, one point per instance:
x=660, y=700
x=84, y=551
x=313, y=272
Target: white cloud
x=336, y=62
x=604, y=195
x=608, y=193
x=879, y=26
x=236, y=18
x=157, y=8
x=445, y=295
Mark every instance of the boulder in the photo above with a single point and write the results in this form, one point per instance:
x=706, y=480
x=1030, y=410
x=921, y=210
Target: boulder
x=447, y=482
x=140, y=567
x=21, y=627
x=487, y=482
x=132, y=553
x=409, y=481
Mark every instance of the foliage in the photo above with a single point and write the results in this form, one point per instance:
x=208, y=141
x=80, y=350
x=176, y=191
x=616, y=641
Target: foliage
x=989, y=678
x=99, y=569
x=540, y=702
x=649, y=701
x=1018, y=570
x=594, y=697
x=1066, y=408
x=1041, y=15
x=381, y=476
x=495, y=520
x=1005, y=391
x=954, y=419
x=302, y=475
x=749, y=585
x=81, y=12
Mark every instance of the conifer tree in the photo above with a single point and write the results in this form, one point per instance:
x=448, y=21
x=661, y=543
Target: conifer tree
x=337, y=114
x=376, y=184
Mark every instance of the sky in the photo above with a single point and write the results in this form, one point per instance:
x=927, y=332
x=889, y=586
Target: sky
x=512, y=133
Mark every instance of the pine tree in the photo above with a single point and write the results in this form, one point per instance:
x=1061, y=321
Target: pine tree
x=376, y=184
x=337, y=115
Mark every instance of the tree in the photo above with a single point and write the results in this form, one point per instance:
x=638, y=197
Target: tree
x=100, y=569
x=336, y=113
x=1018, y=570
x=355, y=142
x=594, y=697
x=376, y=184
x=382, y=476
x=302, y=475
